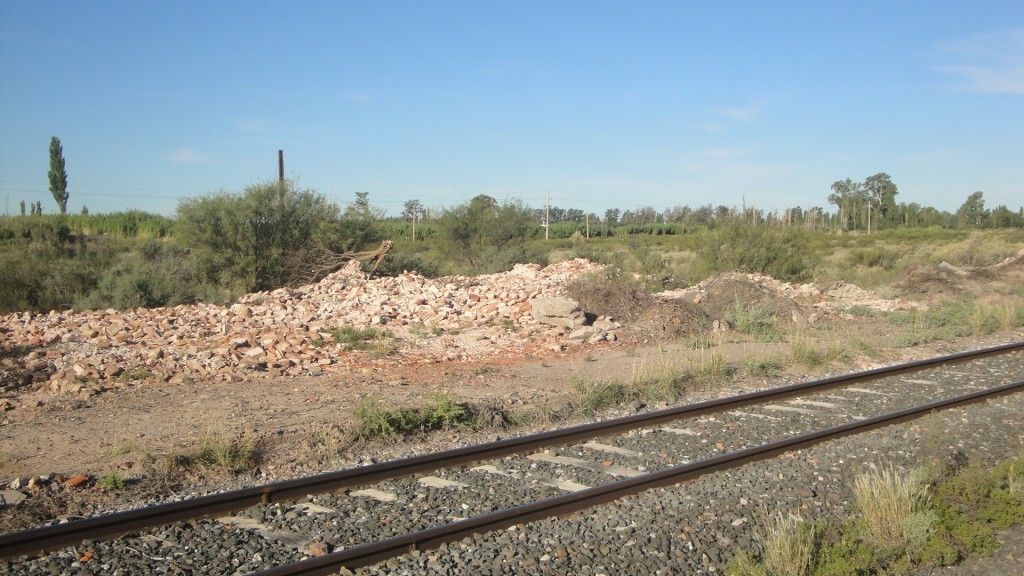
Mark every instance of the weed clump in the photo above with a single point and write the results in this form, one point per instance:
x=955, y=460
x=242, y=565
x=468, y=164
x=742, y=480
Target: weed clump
x=909, y=523
x=442, y=413
x=763, y=367
x=215, y=452
x=757, y=320
x=662, y=383
x=113, y=482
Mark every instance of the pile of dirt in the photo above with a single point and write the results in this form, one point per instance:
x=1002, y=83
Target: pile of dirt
x=726, y=291
x=933, y=284
x=667, y=320
x=929, y=283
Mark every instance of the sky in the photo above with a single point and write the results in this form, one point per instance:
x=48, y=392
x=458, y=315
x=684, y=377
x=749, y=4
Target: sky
x=593, y=104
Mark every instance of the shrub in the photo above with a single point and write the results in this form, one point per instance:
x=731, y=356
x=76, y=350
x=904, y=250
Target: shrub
x=979, y=249
x=399, y=262
x=783, y=253
x=483, y=236
x=757, y=320
x=258, y=236
x=156, y=275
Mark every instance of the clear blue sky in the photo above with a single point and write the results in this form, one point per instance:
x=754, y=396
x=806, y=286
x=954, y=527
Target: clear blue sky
x=601, y=104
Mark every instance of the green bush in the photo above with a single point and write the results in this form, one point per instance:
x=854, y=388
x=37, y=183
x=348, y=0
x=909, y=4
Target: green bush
x=941, y=521
x=151, y=273
x=42, y=276
x=483, y=236
x=270, y=236
x=782, y=253
x=884, y=257
x=979, y=249
x=400, y=262
x=757, y=320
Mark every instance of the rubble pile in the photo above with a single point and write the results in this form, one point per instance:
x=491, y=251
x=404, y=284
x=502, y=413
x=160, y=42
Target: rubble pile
x=287, y=332
x=833, y=298
x=292, y=332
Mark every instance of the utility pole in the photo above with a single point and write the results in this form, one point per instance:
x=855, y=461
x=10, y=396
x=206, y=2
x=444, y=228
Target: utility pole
x=280, y=177
x=547, y=214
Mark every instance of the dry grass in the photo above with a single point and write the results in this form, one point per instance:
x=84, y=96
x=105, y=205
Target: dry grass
x=327, y=441
x=788, y=543
x=887, y=499
x=217, y=452
x=710, y=369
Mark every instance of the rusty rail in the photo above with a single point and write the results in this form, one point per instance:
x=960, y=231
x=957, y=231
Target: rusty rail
x=431, y=538
x=111, y=525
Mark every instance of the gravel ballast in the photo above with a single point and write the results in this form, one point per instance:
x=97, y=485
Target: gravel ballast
x=697, y=527
x=692, y=528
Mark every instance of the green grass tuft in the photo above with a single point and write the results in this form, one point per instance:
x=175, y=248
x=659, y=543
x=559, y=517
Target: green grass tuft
x=217, y=452
x=372, y=420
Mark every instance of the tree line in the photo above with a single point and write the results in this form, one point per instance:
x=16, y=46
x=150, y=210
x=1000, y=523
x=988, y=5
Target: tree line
x=273, y=234
x=860, y=205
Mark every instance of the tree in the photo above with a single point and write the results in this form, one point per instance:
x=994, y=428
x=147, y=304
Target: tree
x=705, y=215
x=1003, y=217
x=972, y=212
x=412, y=210
x=676, y=214
x=485, y=236
x=611, y=217
x=22, y=207
x=844, y=196
x=882, y=192
x=248, y=240
x=58, y=175
x=647, y=215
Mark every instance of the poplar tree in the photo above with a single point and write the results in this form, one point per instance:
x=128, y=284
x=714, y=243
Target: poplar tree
x=58, y=175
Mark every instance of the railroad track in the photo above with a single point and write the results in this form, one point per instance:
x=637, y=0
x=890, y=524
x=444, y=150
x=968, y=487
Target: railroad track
x=361, y=516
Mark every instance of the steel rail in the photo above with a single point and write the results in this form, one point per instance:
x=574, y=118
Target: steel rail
x=431, y=538
x=111, y=525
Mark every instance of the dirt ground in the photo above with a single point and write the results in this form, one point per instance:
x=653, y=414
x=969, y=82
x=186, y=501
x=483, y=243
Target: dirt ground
x=300, y=422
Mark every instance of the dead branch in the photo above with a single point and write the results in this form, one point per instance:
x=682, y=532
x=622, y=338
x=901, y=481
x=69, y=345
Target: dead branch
x=313, y=265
